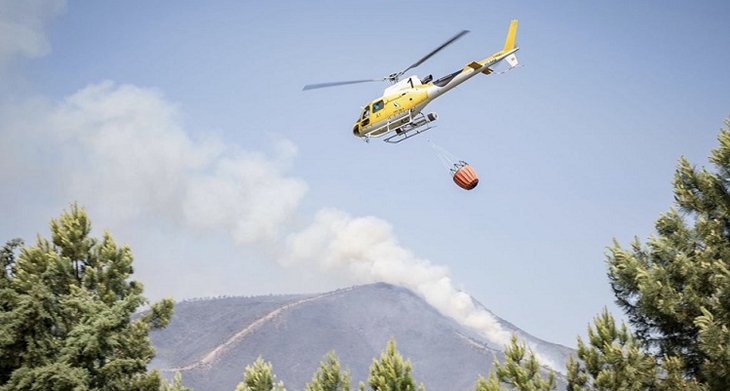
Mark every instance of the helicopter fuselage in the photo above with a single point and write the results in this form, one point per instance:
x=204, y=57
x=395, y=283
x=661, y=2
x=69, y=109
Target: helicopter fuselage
x=399, y=109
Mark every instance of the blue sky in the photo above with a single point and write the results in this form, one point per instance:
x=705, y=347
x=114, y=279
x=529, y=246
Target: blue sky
x=183, y=129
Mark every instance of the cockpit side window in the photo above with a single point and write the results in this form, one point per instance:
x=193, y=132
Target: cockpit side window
x=377, y=106
x=366, y=112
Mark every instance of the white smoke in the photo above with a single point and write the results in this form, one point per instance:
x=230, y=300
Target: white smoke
x=131, y=151
x=365, y=250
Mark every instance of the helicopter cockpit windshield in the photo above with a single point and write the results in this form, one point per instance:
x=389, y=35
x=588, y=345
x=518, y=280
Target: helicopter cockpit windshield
x=365, y=118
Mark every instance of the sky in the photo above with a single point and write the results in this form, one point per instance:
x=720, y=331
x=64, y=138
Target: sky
x=182, y=128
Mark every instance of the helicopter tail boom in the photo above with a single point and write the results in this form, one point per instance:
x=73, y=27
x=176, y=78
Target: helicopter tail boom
x=507, y=53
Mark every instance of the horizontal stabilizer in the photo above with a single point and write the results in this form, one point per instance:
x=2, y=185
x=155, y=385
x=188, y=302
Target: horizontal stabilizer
x=477, y=66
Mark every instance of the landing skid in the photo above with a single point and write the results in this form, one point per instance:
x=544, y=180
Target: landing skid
x=418, y=124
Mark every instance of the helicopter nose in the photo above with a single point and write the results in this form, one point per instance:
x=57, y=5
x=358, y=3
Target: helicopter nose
x=356, y=130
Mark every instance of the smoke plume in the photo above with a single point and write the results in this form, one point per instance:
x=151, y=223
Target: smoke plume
x=366, y=250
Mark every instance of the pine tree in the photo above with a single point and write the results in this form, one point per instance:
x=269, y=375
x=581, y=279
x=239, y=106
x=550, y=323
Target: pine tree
x=391, y=372
x=613, y=359
x=260, y=376
x=176, y=384
x=675, y=289
x=520, y=370
x=66, y=309
x=329, y=376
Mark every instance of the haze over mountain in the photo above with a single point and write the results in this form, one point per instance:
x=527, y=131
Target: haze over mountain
x=212, y=340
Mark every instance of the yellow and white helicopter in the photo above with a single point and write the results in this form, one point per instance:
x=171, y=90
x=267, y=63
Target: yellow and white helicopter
x=398, y=113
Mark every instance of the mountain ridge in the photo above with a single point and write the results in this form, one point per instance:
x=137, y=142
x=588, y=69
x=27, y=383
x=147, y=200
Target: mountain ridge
x=211, y=341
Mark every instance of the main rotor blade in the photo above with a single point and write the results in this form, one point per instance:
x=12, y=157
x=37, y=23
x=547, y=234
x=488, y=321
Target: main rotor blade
x=393, y=77
x=429, y=55
x=337, y=83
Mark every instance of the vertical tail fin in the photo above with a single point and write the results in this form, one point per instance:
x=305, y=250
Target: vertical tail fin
x=509, y=43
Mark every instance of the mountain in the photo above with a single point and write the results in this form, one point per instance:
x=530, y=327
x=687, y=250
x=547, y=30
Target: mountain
x=212, y=340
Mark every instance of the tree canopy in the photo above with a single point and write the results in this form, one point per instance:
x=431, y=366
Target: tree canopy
x=613, y=359
x=675, y=289
x=67, y=313
x=260, y=376
x=329, y=376
x=520, y=370
x=391, y=372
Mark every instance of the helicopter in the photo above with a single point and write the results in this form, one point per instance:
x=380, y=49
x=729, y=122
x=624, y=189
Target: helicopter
x=398, y=114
